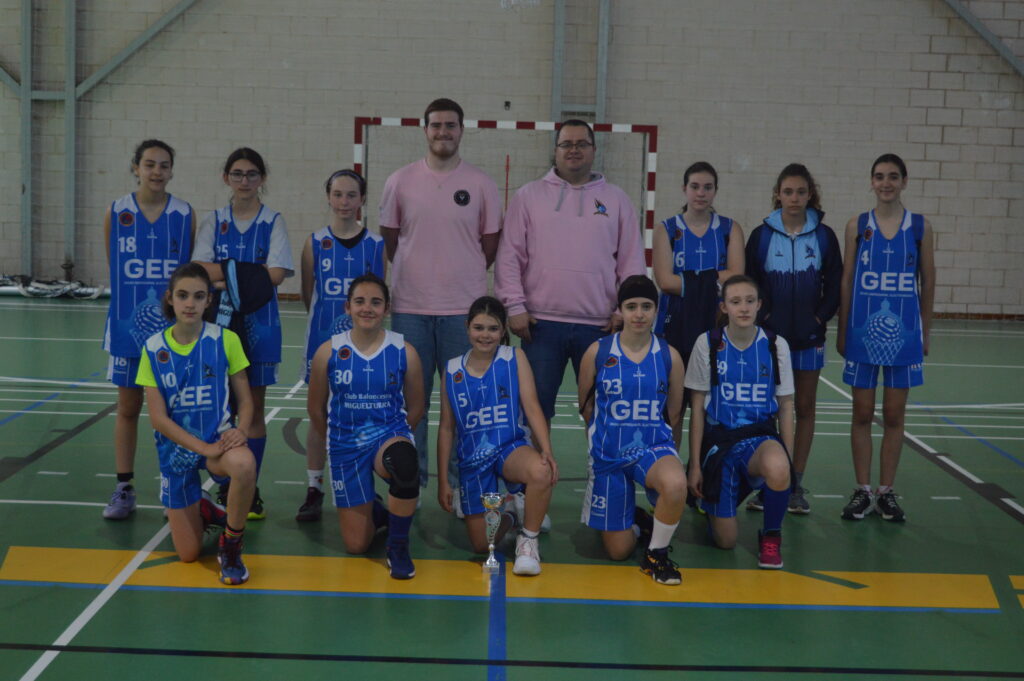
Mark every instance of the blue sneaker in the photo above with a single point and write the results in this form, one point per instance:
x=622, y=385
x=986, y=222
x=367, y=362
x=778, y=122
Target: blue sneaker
x=229, y=557
x=399, y=560
x=122, y=502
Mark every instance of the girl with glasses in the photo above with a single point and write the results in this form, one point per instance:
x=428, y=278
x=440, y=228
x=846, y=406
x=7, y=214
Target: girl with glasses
x=246, y=230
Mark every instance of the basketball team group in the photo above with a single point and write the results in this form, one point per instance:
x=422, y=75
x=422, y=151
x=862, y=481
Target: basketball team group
x=732, y=326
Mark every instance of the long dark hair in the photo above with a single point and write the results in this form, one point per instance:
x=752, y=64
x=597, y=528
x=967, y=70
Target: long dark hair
x=698, y=167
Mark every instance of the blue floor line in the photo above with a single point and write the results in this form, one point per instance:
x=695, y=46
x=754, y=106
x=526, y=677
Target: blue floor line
x=42, y=402
x=995, y=448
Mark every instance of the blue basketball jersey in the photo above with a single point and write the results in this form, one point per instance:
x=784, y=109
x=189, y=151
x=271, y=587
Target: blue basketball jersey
x=335, y=267
x=629, y=402
x=194, y=387
x=487, y=411
x=691, y=256
x=884, y=326
x=262, y=327
x=143, y=255
x=745, y=393
x=366, y=400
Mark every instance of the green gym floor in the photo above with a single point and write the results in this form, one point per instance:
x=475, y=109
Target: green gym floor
x=941, y=596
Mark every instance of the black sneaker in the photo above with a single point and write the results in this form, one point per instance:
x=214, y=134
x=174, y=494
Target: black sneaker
x=756, y=502
x=660, y=567
x=860, y=505
x=645, y=522
x=888, y=508
x=256, y=511
x=312, y=507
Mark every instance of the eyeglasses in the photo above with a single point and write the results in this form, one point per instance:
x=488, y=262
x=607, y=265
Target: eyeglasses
x=581, y=145
x=238, y=175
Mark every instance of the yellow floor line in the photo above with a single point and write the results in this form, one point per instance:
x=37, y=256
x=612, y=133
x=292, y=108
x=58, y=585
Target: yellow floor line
x=558, y=581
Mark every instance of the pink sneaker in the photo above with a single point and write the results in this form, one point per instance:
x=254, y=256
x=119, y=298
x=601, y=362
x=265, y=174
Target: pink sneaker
x=769, y=553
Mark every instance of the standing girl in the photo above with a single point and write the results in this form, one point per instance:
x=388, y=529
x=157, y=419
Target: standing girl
x=693, y=253
x=148, y=233
x=247, y=231
x=628, y=382
x=332, y=257
x=884, y=321
x=489, y=397
x=186, y=371
x=742, y=383
x=794, y=258
x=365, y=396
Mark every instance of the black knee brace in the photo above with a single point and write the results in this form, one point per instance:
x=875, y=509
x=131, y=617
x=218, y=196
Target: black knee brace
x=403, y=465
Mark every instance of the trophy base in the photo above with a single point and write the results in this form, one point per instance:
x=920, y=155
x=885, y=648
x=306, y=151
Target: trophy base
x=490, y=569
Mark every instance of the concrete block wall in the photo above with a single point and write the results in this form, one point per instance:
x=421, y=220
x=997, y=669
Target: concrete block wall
x=744, y=84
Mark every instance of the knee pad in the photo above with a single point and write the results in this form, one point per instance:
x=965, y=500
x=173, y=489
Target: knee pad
x=402, y=463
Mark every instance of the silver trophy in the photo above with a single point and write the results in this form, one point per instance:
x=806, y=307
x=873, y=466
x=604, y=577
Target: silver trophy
x=492, y=518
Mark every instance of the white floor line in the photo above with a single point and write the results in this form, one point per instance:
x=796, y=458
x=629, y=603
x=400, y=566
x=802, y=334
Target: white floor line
x=963, y=471
x=96, y=605
x=51, y=472
x=289, y=482
x=1014, y=505
x=42, y=502
x=946, y=498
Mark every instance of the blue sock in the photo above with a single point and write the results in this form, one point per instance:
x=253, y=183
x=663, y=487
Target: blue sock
x=774, y=508
x=258, y=445
x=398, y=527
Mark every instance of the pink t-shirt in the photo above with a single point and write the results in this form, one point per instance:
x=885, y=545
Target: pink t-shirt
x=439, y=266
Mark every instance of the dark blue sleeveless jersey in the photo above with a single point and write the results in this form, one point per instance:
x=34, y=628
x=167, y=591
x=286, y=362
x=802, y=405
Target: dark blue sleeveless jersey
x=697, y=260
x=745, y=393
x=366, y=400
x=194, y=387
x=488, y=415
x=142, y=257
x=262, y=327
x=629, y=402
x=335, y=267
x=884, y=326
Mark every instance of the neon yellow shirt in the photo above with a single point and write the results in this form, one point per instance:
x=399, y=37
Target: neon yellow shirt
x=237, y=360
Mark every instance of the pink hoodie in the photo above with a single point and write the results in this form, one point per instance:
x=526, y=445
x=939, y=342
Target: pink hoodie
x=565, y=250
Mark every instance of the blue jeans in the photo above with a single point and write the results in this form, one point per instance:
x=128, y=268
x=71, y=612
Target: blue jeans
x=554, y=344
x=436, y=339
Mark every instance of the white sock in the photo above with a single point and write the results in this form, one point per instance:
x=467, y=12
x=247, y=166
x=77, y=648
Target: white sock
x=661, y=535
x=316, y=479
x=530, y=533
x=882, y=489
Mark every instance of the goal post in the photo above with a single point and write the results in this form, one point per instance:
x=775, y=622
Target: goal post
x=512, y=153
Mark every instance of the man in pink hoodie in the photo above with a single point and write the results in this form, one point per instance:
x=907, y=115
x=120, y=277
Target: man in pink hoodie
x=569, y=240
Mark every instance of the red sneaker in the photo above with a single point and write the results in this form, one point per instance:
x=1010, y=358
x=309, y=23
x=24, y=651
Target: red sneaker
x=769, y=553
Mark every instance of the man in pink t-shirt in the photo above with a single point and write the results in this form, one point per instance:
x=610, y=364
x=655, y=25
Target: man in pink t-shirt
x=570, y=239
x=441, y=219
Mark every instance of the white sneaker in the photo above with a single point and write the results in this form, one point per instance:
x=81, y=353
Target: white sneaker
x=519, y=506
x=527, y=556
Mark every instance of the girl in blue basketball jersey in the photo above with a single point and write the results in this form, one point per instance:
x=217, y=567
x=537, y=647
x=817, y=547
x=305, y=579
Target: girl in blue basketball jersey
x=186, y=370
x=884, y=320
x=794, y=258
x=742, y=423
x=693, y=252
x=628, y=383
x=488, y=399
x=332, y=257
x=365, y=397
x=148, y=234
x=246, y=230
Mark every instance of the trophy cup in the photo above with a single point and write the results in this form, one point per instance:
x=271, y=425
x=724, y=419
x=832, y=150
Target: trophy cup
x=492, y=501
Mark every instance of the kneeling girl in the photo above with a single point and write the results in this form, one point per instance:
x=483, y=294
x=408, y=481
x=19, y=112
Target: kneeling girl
x=365, y=396
x=627, y=382
x=187, y=371
x=488, y=398
x=742, y=381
